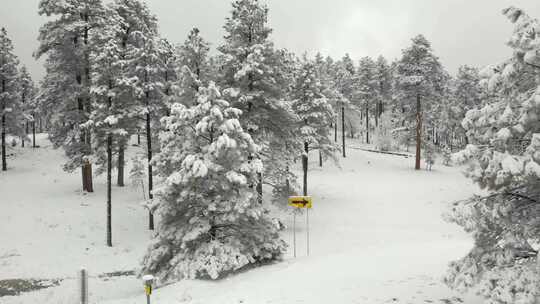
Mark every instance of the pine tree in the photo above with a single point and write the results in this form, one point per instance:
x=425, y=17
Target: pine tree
x=114, y=112
x=383, y=75
x=429, y=154
x=324, y=74
x=419, y=77
x=365, y=89
x=345, y=77
x=193, y=61
x=467, y=93
x=314, y=111
x=137, y=174
x=67, y=42
x=504, y=158
x=169, y=76
x=144, y=65
x=207, y=234
x=384, y=140
x=27, y=94
x=10, y=104
x=253, y=72
x=344, y=83
x=277, y=163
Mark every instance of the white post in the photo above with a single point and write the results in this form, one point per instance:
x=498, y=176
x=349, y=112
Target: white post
x=294, y=232
x=307, y=225
x=148, y=281
x=83, y=280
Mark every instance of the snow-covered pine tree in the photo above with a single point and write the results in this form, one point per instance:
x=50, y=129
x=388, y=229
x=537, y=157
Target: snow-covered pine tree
x=194, y=66
x=429, y=154
x=331, y=91
x=207, y=234
x=252, y=73
x=137, y=174
x=443, y=120
x=67, y=43
x=467, y=94
x=419, y=76
x=328, y=87
x=383, y=75
x=169, y=60
x=289, y=67
x=114, y=112
x=384, y=140
x=365, y=94
x=504, y=155
x=314, y=111
x=27, y=94
x=446, y=156
x=467, y=87
x=344, y=76
x=144, y=65
x=10, y=104
x=344, y=83
x=282, y=180
x=446, y=121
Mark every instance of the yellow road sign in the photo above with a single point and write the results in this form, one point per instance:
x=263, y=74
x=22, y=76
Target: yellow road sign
x=301, y=201
x=148, y=289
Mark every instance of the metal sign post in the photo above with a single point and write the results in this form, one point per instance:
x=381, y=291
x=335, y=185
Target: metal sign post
x=148, y=281
x=307, y=229
x=294, y=233
x=83, y=277
x=301, y=202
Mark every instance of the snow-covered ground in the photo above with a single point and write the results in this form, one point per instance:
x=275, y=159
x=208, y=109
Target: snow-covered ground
x=377, y=236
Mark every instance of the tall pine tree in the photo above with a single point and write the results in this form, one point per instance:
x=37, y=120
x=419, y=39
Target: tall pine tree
x=314, y=111
x=365, y=92
x=211, y=223
x=114, y=113
x=10, y=104
x=67, y=42
x=504, y=158
x=419, y=78
x=194, y=65
x=143, y=65
x=27, y=94
x=253, y=72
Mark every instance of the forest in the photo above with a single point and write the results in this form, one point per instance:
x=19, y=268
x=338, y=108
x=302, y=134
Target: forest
x=213, y=136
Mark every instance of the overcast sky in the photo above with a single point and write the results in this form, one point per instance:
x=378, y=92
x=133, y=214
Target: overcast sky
x=462, y=31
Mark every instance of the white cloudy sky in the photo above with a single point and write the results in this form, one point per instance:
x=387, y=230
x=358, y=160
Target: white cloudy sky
x=462, y=31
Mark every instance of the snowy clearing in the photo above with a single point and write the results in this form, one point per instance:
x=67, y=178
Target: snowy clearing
x=377, y=236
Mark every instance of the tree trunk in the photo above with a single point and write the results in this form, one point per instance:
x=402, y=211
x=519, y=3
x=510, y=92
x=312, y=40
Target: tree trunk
x=343, y=129
x=33, y=132
x=377, y=116
x=87, y=109
x=259, y=188
x=25, y=132
x=418, y=131
x=87, y=176
x=288, y=182
x=138, y=137
x=335, y=129
x=305, y=166
x=109, y=196
x=367, y=123
x=4, y=161
x=120, y=181
x=150, y=179
x=320, y=158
